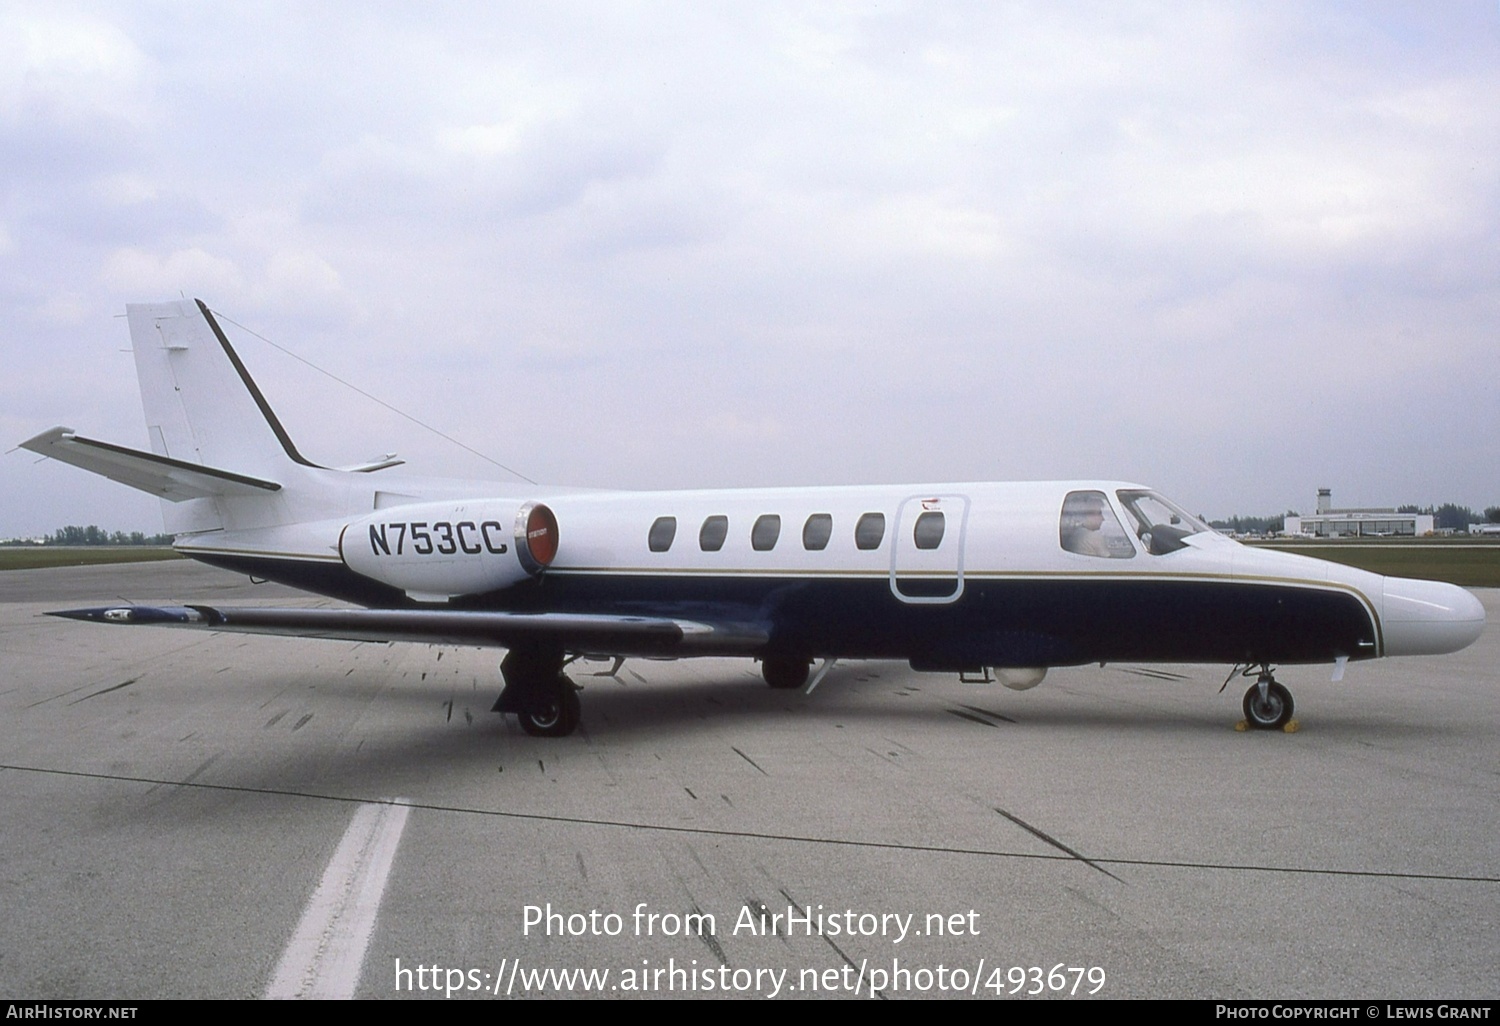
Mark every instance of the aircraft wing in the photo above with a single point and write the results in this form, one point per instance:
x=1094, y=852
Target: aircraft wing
x=587, y=633
x=174, y=480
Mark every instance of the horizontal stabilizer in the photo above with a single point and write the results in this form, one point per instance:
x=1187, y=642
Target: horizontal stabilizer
x=174, y=480
x=595, y=634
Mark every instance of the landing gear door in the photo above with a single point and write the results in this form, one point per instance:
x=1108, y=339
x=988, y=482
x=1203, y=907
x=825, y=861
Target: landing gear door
x=927, y=548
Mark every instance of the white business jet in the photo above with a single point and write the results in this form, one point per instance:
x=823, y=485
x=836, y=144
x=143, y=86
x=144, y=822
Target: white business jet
x=998, y=581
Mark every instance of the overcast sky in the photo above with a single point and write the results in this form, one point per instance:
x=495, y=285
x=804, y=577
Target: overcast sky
x=1235, y=251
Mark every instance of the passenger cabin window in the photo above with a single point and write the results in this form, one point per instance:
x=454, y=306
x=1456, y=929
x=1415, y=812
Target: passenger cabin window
x=663, y=530
x=765, y=532
x=928, y=532
x=817, y=531
x=870, y=531
x=711, y=536
x=1089, y=527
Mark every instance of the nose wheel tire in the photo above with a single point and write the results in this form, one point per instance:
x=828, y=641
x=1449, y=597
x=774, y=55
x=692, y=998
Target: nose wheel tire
x=1269, y=711
x=555, y=716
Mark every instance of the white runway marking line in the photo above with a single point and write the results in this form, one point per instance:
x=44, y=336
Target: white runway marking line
x=324, y=957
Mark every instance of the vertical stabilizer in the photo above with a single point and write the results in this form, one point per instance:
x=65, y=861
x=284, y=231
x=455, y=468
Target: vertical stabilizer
x=202, y=407
x=201, y=404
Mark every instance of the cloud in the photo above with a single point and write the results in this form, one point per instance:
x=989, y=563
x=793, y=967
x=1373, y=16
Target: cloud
x=134, y=272
x=65, y=309
x=1200, y=246
x=70, y=67
x=303, y=275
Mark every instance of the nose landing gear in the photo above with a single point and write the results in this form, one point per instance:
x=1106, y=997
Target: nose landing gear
x=1268, y=704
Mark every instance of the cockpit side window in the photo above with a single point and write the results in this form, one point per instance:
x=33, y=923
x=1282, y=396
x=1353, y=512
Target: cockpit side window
x=1089, y=527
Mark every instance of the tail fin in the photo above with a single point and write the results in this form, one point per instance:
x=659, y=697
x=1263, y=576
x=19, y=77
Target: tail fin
x=201, y=404
x=219, y=456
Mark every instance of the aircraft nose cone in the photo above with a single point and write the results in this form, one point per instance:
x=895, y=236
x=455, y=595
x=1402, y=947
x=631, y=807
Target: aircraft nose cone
x=1429, y=618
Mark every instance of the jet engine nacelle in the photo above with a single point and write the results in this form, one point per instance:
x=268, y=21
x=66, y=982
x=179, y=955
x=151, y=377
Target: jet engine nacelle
x=436, y=550
x=1020, y=678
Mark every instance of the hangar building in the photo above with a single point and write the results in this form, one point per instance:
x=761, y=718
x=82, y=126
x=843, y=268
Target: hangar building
x=1357, y=523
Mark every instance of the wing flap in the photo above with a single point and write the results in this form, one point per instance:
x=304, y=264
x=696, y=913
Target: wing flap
x=174, y=480
x=591, y=633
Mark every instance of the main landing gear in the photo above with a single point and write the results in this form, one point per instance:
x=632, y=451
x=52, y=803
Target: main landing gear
x=539, y=693
x=785, y=672
x=1268, y=704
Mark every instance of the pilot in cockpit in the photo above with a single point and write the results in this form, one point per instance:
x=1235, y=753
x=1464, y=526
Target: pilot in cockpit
x=1089, y=527
x=1082, y=520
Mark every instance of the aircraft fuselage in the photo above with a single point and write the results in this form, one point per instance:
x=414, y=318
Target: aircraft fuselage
x=996, y=586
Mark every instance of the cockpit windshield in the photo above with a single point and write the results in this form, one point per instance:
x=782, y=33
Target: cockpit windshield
x=1160, y=524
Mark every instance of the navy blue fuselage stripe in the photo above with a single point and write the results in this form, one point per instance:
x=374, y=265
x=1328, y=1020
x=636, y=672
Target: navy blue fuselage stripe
x=997, y=621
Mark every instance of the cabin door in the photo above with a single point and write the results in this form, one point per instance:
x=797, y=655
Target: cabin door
x=927, y=548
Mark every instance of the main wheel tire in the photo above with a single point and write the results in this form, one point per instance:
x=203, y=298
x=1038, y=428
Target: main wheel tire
x=785, y=674
x=1271, y=712
x=556, y=716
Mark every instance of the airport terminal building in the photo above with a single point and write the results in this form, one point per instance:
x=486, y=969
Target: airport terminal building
x=1357, y=523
